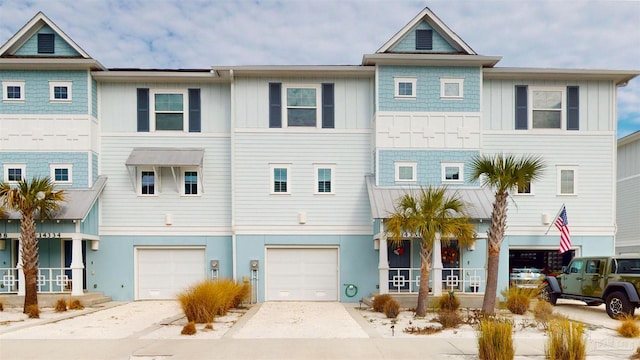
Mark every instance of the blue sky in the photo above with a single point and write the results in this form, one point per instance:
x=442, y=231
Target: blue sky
x=577, y=34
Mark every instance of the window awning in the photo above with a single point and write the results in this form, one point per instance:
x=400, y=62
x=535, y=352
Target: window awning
x=165, y=157
x=383, y=199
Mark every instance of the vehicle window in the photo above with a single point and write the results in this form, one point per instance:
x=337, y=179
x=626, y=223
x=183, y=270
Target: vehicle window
x=628, y=266
x=576, y=267
x=592, y=266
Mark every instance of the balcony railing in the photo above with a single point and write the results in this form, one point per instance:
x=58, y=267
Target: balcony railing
x=465, y=280
x=50, y=280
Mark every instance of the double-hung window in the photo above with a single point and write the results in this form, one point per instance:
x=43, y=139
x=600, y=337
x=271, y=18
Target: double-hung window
x=14, y=173
x=280, y=175
x=451, y=89
x=302, y=105
x=567, y=176
x=13, y=90
x=405, y=171
x=148, y=182
x=169, y=111
x=60, y=91
x=405, y=87
x=547, y=108
x=324, y=179
x=452, y=172
x=61, y=173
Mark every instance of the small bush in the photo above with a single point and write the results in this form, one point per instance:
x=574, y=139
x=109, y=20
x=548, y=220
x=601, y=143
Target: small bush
x=61, y=305
x=566, y=341
x=33, y=311
x=427, y=330
x=189, y=329
x=202, y=302
x=1, y=306
x=448, y=301
x=628, y=328
x=243, y=293
x=519, y=299
x=495, y=341
x=379, y=301
x=75, y=304
x=449, y=318
x=543, y=313
x=209, y=326
x=392, y=309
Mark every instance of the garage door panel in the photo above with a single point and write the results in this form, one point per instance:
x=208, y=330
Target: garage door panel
x=163, y=273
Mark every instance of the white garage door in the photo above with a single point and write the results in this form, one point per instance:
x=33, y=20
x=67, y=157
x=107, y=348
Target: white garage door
x=163, y=273
x=302, y=274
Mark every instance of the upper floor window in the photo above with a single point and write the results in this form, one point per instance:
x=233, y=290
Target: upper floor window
x=169, y=112
x=405, y=87
x=547, y=107
x=46, y=43
x=567, y=180
x=405, y=171
x=14, y=173
x=524, y=190
x=191, y=180
x=302, y=106
x=324, y=179
x=61, y=173
x=280, y=179
x=452, y=172
x=148, y=182
x=60, y=90
x=451, y=88
x=13, y=90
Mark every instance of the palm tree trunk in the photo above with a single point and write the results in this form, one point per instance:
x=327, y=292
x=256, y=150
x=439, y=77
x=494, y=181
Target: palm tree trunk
x=423, y=292
x=29, y=260
x=495, y=236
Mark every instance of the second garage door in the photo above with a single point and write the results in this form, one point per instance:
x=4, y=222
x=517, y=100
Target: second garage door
x=163, y=273
x=302, y=274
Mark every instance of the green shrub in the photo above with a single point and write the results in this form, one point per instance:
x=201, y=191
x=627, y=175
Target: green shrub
x=379, y=301
x=449, y=318
x=61, y=305
x=519, y=299
x=448, y=301
x=628, y=328
x=392, y=309
x=189, y=329
x=566, y=341
x=33, y=311
x=495, y=341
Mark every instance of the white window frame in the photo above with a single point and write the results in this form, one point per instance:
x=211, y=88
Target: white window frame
x=412, y=165
x=559, y=170
x=5, y=90
x=68, y=167
x=22, y=167
x=285, y=105
x=398, y=80
x=530, y=193
x=563, y=107
x=185, y=109
x=458, y=165
x=445, y=81
x=54, y=84
x=272, y=179
x=316, y=168
x=183, y=181
x=156, y=181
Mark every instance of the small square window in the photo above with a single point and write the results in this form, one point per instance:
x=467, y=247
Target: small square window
x=14, y=173
x=60, y=91
x=191, y=182
x=13, y=90
x=451, y=88
x=280, y=179
x=61, y=173
x=405, y=87
x=452, y=172
x=324, y=179
x=567, y=180
x=524, y=190
x=405, y=171
x=147, y=182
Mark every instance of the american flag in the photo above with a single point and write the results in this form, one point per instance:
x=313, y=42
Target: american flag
x=563, y=225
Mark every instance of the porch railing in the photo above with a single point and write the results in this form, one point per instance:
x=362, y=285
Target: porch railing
x=50, y=280
x=465, y=280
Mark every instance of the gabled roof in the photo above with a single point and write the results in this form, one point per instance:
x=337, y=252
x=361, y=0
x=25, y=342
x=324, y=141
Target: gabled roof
x=429, y=17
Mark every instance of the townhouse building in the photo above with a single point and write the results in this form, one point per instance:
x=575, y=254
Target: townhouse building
x=282, y=176
x=628, y=195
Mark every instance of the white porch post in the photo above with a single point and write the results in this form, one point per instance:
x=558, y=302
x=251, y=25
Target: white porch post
x=21, y=279
x=437, y=267
x=77, y=265
x=383, y=262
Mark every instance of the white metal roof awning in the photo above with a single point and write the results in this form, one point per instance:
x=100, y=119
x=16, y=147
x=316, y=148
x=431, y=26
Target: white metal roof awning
x=383, y=199
x=173, y=158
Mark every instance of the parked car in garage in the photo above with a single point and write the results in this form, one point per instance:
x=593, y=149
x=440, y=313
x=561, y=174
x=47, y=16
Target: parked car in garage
x=525, y=277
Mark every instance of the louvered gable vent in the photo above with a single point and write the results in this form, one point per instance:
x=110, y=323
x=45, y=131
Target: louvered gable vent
x=424, y=39
x=46, y=43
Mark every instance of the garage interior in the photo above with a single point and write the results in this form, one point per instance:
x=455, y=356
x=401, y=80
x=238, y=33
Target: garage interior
x=548, y=261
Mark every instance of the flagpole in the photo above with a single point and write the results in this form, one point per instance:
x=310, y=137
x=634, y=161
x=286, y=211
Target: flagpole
x=554, y=219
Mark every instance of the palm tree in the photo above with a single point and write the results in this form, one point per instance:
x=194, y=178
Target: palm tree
x=502, y=173
x=432, y=213
x=32, y=199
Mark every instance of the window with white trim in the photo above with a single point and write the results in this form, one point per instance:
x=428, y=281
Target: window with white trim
x=451, y=88
x=148, y=182
x=168, y=111
x=452, y=172
x=406, y=171
x=525, y=190
x=405, y=87
x=13, y=90
x=324, y=175
x=302, y=105
x=280, y=174
x=61, y=173
x=191, y=182
x=13, y=173
x=547, y=107
x=60, y=90
x=567, y=180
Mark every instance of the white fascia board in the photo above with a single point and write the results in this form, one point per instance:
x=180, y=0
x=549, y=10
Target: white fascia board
x=619, y=77
x=430, y=59
x=49, y=64
x=298, y=70
x=158, y=76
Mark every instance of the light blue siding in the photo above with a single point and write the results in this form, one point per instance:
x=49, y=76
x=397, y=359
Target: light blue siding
x=37, y=92
x=91, y=224
x=38, y=164
x=30, y=47
x=428, y=89
x=94, y=98
x=408, y=43
x=429, y=168
x=94, y=167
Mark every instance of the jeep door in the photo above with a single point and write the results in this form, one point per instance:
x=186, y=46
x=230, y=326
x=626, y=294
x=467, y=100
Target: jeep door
x=593, y=279
x=572, y=278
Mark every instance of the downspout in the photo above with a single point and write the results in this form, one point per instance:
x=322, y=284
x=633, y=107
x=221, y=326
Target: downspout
x=234, y=247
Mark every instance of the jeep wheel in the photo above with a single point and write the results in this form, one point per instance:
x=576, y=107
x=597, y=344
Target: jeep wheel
x=547, y=295
x=619, y=305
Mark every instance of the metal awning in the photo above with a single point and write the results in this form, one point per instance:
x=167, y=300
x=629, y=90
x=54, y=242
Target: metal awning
x=77, y=204
x=173, y=158
x=383, y=199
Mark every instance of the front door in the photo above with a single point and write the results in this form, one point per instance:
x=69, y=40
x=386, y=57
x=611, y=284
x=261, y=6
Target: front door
x=68, y=248
x=399, y=266
x=572, y=279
